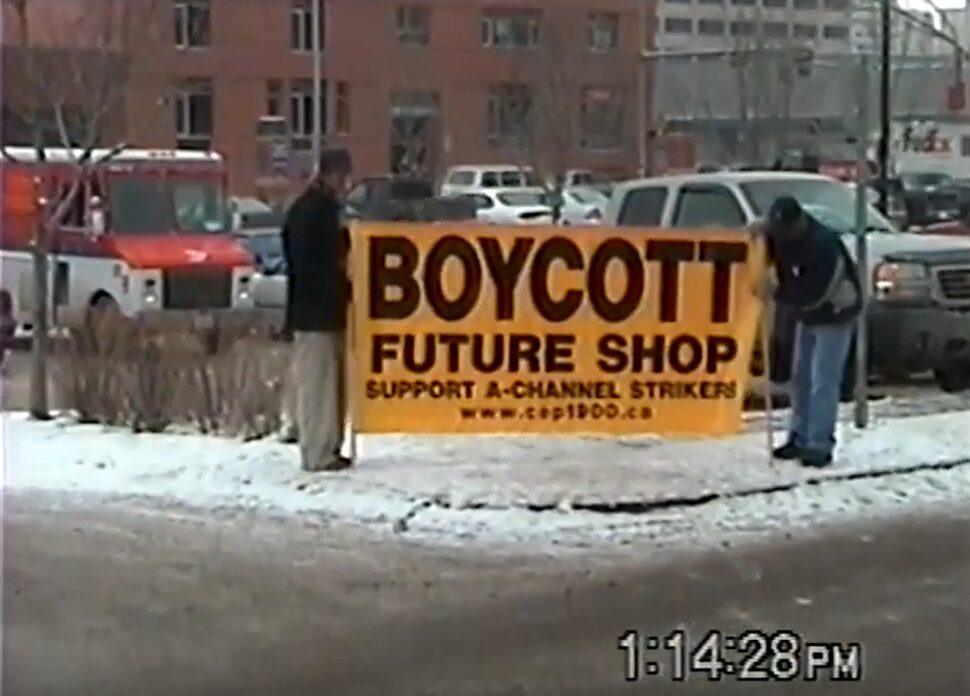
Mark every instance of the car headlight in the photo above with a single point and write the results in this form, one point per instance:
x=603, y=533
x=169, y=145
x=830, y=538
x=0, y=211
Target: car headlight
x=149, y=291
x=901, y=281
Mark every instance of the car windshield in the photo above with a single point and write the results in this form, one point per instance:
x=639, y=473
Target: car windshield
x=831, y=202
x=262, y=219
x=926, y=179
x=147, y=205
x=523, y=198
x=200, y=206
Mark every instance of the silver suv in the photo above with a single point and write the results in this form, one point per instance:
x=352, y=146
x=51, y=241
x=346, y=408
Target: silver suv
x=919, y=315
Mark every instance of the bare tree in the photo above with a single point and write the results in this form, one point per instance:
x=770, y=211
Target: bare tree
x=75, y=63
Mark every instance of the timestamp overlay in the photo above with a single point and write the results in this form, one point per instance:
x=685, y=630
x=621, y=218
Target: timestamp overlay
x=750, y=656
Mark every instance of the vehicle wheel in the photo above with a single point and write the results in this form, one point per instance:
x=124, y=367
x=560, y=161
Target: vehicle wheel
x=953, y=378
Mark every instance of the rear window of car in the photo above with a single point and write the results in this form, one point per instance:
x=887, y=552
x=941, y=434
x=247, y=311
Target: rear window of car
x=518, y=177
x=524, y=198
x=643, y=207
x=462, y=177
x=411, y=190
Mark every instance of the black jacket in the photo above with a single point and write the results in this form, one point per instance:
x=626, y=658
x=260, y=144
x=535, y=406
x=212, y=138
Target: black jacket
x=316, y=246
x=816, y=276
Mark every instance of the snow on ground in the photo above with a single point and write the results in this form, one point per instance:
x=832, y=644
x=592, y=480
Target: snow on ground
x=485, y=488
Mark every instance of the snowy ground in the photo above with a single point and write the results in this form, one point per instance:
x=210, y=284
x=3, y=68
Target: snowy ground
x=566, y=492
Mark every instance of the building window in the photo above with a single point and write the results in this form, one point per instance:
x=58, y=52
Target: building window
x=193, y=115
x=744, y=3
x=837, y=5
x=342, y=107
x=965, y=146
x=511, y=29
x=805, y=31
x=719, y=3
x=775, y=4
x=806, y=4
x=742, y=28
x=414, y=24
x=601, y=118
x=834, y=32
x=678, y=25
x=678, y=2
x=274, y=98
x=509, y=114
x=192, y=23
x=711, y=27
x=604, y=31
x=301, y=112
x=301, y=26
x=775, y=30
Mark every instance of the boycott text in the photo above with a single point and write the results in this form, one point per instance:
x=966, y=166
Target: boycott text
x=506, y=269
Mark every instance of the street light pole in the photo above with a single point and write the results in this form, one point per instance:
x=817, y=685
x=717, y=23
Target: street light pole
x=315, y=16
x=862, y=247
x=885, y=107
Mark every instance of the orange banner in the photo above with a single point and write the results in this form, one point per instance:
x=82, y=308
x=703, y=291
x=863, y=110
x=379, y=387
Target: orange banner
x=483, y=329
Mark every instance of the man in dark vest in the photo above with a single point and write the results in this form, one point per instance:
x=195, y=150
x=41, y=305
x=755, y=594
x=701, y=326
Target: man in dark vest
x=819, y=282
x=315, y=246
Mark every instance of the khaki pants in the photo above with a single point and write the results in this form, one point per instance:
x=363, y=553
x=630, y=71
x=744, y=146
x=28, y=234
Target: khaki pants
x=320, y=398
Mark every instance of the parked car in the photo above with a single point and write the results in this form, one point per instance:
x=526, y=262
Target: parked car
x=269, y=282
x=582, y=206
x=930, y=197
x=919, y=314
x=514, y=206
x=252, y=213
x=473, y=178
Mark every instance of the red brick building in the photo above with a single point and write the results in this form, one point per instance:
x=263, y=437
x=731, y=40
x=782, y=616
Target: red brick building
x=409, y=85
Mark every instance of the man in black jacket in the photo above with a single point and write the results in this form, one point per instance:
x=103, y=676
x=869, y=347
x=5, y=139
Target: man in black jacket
x=315, y=246
x=819, y=282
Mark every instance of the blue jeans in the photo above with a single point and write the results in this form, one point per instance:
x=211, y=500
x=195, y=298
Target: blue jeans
x=817, y=365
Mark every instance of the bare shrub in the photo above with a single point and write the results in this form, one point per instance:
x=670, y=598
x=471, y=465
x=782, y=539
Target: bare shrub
x=219, y=379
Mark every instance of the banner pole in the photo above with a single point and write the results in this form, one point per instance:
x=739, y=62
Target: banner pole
x=766, y=316
x=350, y=364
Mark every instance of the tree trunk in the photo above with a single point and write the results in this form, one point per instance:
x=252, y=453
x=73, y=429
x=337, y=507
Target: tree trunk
x=40, y=339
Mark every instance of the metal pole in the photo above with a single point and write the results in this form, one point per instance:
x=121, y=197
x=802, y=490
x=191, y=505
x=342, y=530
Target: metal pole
x=643, y=114
x=885, y=107
x=862, y=247
x=331, y=84
x=317, y=87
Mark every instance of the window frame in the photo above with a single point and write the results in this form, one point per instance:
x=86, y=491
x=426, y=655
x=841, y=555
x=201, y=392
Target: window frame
x=407, y=30
x=301, y=118
x=612, y=108
x=600, y=24
x=190, y=34
x=301, y=26
x=492, y=20
x=186, y=136
x=688, y=22
x=500, y=100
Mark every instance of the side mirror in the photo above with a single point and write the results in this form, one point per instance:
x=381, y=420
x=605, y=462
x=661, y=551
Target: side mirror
x=96, y=220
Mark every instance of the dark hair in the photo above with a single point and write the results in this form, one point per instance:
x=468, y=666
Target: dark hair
x=335, y=161
x=785, y=211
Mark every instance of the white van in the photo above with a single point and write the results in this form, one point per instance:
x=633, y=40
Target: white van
x=466, y=179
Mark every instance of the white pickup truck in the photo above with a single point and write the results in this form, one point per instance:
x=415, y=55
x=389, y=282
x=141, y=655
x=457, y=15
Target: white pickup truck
x=919, y=314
